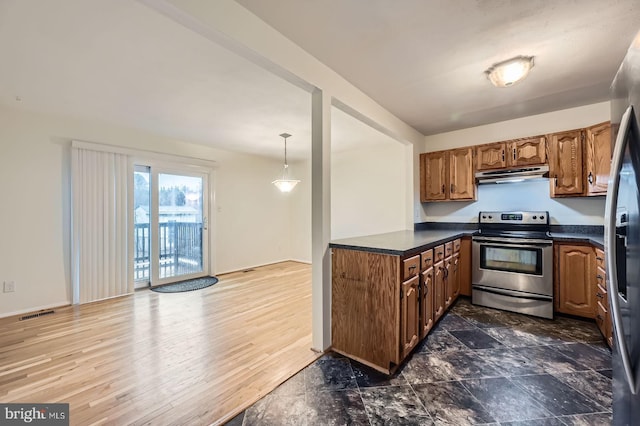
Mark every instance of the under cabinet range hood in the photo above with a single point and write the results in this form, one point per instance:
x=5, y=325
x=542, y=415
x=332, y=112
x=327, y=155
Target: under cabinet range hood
x=512, y=175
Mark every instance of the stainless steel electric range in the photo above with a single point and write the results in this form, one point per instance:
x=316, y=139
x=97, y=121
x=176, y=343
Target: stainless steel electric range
x=512, y=256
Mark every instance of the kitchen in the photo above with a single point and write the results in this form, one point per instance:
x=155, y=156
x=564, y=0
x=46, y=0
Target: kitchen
x=409, y=209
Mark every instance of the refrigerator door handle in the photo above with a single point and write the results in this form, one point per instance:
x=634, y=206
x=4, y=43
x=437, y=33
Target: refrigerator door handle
x=610, y=245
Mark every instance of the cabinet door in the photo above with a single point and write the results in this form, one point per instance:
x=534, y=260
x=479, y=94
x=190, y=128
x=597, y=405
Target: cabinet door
x=491, y=156
x=409, y=315
x=433, y=182
x=455, y=276
x=426, y=306
x=464, y=271
x=438, y=283
x=598, y=147
x=565, y=163
x=461, y=178
x=528, y=152
x=448, y=282
x=576, y=280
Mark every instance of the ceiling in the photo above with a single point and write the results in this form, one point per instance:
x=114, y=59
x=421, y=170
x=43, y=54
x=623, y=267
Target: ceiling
x=121, y=62
x=425, y=60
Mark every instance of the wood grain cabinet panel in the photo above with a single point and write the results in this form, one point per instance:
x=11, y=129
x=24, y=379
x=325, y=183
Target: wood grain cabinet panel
x=462, y=185
x=410, y=315
x=447, y=175
x=426, y=304
x=527, y=152
x=491, y=156
x=465, y=266
x=598, y=158
x=433, y=176
x=439, y=289
x=576, y=280
x=565, y=163
x=455, y=276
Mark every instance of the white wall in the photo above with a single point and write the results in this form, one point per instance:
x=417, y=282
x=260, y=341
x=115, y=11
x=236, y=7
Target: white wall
x=300, y=213
x=532, y=195
x=368, y=190
x=251, y=228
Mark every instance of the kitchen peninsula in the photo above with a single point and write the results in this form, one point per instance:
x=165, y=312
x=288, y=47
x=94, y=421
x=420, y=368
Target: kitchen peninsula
x=388, y=290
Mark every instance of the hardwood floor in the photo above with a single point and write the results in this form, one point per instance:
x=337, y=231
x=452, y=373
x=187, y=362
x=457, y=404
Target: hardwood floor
x=151, y=358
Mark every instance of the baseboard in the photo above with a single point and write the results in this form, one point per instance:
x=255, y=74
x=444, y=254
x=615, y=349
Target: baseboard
x=260, y=265
x=36, y=309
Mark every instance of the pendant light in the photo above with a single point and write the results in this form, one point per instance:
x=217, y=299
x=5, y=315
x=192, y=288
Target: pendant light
x=509, y=72
x=286, y=184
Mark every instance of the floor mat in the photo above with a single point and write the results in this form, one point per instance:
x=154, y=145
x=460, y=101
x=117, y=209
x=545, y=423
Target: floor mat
x=187, y=285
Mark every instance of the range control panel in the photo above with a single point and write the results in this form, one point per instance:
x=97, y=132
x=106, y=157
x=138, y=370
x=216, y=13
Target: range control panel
x=515, y=218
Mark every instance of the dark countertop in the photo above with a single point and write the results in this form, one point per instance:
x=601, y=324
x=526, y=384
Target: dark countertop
x=567, y=237
x=399, y=243
x=404, y=243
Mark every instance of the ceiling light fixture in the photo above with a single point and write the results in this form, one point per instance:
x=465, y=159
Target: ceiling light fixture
x=286, y=184
x=509, y=72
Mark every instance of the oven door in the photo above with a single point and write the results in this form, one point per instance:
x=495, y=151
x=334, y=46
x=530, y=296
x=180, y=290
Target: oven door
x=516, y=264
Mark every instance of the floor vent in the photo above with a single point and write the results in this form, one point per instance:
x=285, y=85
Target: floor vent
x=37, y=314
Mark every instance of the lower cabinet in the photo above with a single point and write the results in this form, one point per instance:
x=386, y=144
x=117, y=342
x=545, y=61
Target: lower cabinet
x=575, y=279
x=383, y=305
x=603, y=314
x=426, y=303
x=410, y=314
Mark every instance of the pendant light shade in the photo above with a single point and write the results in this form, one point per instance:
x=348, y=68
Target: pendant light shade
x=509, y=72
x=285, y=184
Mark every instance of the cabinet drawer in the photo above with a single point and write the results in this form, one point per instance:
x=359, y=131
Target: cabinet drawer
x=602, y=315
x=456, y=245
x=411, y=267
x=601, y=296
x=426, y=258
x=438, y=253
x=600, y=263
x=448, y=249
x=601, y=277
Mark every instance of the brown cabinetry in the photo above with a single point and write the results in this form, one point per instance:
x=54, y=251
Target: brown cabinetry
x=598, y=158
x=579, y=161
x=603, y=315
x=447, y=175
x=575, y=280
x=382, y=305
x=515, y=153
x=464, y=270
x=426, y=304
x=565, y=163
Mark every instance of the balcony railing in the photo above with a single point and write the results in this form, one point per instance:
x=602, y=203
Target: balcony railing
x=180, y=249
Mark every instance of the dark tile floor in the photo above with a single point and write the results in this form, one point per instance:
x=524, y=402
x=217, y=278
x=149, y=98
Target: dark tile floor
x=478, y=366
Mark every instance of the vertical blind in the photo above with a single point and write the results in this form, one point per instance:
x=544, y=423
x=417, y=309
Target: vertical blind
x=99, y=259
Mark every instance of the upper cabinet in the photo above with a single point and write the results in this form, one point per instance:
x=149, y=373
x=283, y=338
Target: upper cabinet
x=565, y=163
x=447, y=175
x=579, y=161
x=514, y=153
x=598, y=154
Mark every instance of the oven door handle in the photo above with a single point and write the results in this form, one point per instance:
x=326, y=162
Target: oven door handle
x=514, y=242
x=512, y=293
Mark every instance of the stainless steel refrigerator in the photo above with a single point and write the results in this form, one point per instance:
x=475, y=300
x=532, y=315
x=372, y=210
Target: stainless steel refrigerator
x=622, y=238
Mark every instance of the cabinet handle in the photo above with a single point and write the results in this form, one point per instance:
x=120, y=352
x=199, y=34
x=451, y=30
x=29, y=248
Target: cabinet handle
x=555, y=178
x=443, y=188
x=599, y=318
x=599, y=295
x=599, y=258
x=590, y=178
x=411, y=268
x=599, y=276
x=503, y=155
x=514, y=154
x=452, y=191
x=426, y=290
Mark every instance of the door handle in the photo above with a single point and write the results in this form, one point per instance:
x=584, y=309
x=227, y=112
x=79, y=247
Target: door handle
x=514, y=154
x=611, y=206
x=590, y=178
x=205, y=223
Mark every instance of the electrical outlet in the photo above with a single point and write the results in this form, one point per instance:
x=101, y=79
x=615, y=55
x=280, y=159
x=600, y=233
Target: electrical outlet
x=9, y=286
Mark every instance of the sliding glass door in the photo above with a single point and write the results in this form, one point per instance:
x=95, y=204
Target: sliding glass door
x=171, y=240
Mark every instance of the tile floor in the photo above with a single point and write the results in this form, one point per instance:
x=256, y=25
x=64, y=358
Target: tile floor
x=478, y=366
